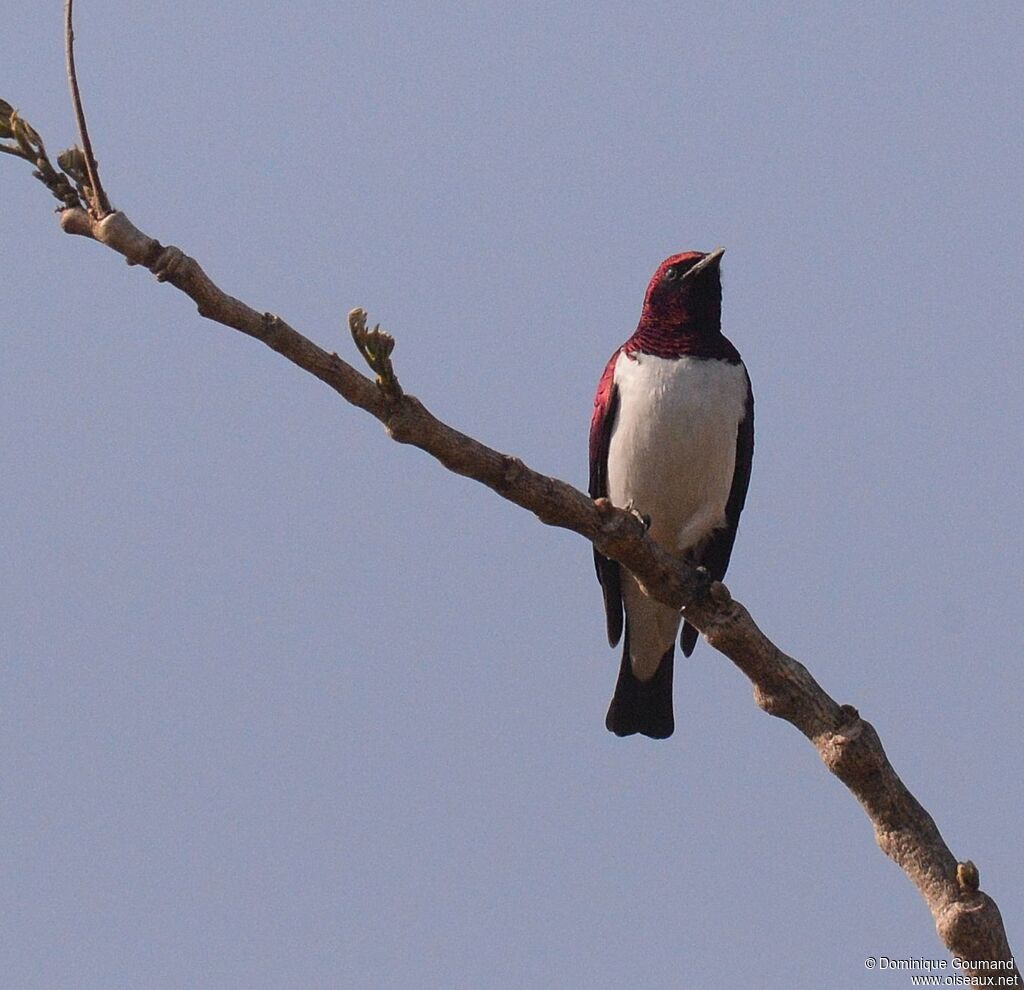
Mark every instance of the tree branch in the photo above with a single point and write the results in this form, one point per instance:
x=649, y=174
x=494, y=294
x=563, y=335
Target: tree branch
x=967, y=919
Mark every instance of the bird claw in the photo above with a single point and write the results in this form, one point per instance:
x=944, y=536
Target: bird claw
x=644, y=520
x=704, y=578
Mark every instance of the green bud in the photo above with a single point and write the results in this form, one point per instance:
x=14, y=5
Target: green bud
x=6, y=110
x=25, y=134
x=72, y=161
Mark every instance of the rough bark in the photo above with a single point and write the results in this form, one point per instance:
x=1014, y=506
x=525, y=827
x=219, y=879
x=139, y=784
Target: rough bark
x=967, y=919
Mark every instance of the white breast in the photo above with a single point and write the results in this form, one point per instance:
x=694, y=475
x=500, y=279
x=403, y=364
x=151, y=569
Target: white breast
x=673, y=445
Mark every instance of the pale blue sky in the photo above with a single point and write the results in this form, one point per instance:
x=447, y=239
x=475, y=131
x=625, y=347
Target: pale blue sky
x=284, y=704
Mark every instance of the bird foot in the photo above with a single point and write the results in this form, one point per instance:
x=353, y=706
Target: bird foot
x=644, y=520
x=703, y=576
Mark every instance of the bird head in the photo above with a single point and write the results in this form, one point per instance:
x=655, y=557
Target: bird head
x=685, y=294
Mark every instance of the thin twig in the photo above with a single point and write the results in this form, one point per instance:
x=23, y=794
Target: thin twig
x=99, y=206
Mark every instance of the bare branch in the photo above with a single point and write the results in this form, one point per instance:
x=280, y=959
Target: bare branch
x=967, y=919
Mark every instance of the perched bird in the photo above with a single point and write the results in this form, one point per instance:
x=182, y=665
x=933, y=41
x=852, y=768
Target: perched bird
x=672, y=437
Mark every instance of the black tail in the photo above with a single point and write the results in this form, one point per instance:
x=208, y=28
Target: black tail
x=688, y=640
x=642, y=706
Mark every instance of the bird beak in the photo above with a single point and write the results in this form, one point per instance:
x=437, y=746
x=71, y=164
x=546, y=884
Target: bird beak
x=706, y=262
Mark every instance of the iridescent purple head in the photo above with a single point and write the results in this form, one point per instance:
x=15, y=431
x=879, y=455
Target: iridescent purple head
x=685, y=294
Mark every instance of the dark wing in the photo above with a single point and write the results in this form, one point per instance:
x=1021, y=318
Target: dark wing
x=715, y=556
x=606, y=406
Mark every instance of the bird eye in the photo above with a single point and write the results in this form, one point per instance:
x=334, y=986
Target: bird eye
x=670, y=275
